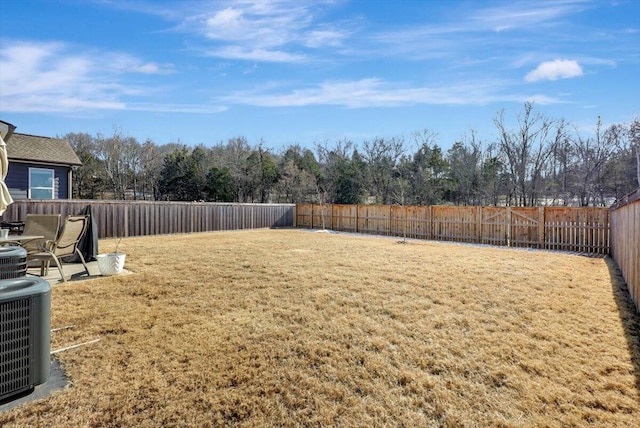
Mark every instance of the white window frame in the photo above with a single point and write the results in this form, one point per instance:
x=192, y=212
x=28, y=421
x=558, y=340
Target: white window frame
x=53, y=181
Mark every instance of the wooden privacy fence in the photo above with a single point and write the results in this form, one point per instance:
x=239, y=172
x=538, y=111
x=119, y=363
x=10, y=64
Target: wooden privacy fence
x=137, y=218
x=625, y=241
x=584, y=230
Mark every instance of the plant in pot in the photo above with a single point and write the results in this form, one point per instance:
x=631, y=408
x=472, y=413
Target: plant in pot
x=111, y=263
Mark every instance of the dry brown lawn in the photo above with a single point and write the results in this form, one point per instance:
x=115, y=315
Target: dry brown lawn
x=296, y=328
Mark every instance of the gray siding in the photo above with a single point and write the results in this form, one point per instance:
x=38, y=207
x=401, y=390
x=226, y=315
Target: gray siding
x=18, y=180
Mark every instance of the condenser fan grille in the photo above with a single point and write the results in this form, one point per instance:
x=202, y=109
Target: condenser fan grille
x=13, y=262
x=13, y=268
x=15, y=358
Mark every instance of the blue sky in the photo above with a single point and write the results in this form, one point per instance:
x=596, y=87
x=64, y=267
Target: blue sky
x=294, y=71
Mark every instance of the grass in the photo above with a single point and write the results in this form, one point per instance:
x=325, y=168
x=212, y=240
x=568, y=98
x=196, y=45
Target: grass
x=295, y=328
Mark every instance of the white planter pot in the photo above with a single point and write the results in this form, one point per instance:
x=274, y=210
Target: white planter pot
x=111, y=263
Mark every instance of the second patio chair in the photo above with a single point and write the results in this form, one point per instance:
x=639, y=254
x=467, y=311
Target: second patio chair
x=45, y=225
x=65, y=245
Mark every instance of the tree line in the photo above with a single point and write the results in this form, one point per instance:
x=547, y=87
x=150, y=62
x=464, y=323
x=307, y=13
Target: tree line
x=540, y=160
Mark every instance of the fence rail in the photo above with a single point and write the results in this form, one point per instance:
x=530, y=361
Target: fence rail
x=625, y=241
x=584, y=230
x=138, y=218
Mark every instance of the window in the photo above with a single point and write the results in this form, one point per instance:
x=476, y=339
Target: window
x=41, y=183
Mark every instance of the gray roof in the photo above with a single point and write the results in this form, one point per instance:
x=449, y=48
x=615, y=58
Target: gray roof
x=32, y=148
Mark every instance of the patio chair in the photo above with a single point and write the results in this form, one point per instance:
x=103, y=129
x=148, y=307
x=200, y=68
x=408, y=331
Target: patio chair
x=65, y=245
x=46, y=225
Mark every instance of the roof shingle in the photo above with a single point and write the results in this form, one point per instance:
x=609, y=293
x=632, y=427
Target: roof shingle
x=23, y=147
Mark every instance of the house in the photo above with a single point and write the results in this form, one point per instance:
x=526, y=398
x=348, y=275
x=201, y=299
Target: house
x=40, y=167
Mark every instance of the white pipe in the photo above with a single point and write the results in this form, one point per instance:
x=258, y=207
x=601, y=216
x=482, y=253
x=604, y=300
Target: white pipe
x=74, y=346
x=66, y=327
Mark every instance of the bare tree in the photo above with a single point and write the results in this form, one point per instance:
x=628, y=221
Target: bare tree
x=465, y=160
x=299, y=171
x=492, y=176
x=382, y=156
x=634, y=137
x=87, y=181
x=526, y=151
x=400, y=193
x=295, y=184
x=133, y=161
x=151, y=159
x=113, y=154
x=620, y=173
x=342, y=172
x=592, y=154
x=560, y=172
x=233, y=155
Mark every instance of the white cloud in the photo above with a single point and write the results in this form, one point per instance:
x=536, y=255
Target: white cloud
x=269, y=31
x=248, y=54
x=542, y=99
x=475, y=30
x=554, y=70
x=259, y=23
x=325, y=37
x=177, y=108
x=230, y=24
x=41, y=77
x=124, y=63
x=54, y=77
x=517, y=14
x=372, y=92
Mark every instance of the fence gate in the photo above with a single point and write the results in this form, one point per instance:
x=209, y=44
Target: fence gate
x=527, y=227
x=493, y=225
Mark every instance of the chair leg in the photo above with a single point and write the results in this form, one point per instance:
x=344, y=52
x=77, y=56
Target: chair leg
x=79, y=253
x=55, y=259
x=44, y=267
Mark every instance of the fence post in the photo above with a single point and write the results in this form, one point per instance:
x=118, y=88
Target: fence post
x=430, y=221
x=479, y=225
x=541, y=221
x=332, y=216
x=125, y=226
x=508, y=221
x=404, y=232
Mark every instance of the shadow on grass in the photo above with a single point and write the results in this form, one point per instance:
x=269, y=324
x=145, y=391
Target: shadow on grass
x=629, y=316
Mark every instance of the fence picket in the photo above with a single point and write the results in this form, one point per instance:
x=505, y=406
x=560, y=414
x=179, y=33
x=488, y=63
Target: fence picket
x=136, y=218
x=584, y=230
x=625, y=241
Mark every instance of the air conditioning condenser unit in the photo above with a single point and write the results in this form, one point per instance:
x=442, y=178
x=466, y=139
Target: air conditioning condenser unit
x=25, y=323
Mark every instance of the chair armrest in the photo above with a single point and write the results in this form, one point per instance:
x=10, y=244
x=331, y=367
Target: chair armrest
x=49, y=246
